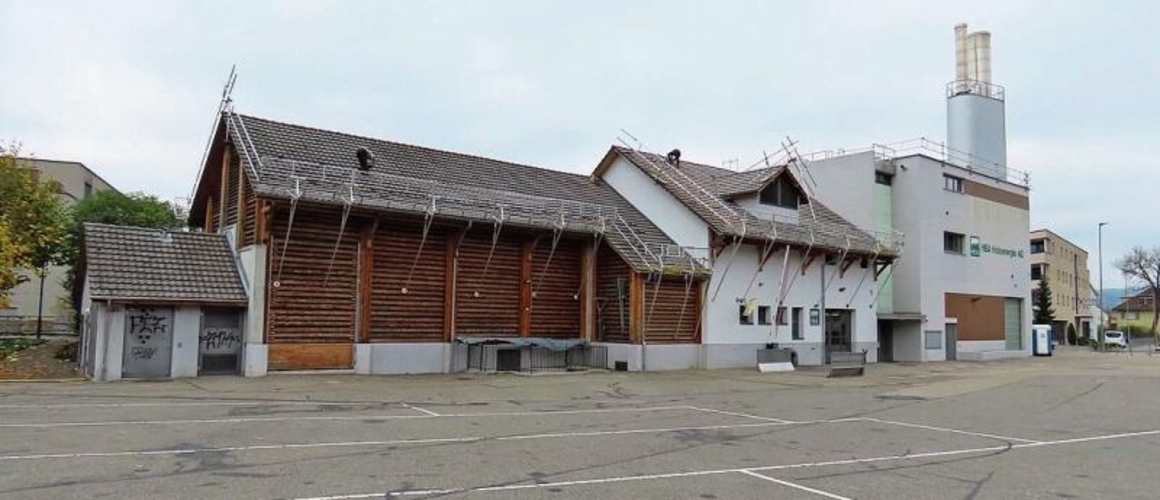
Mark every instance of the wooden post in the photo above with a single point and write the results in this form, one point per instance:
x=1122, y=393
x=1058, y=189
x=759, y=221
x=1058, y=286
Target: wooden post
x=698, y=322
x=366, y=260
x=635, y=307
x=240, y=227
x=587, y=291
x=225, y=176
x=262, y=220
x=526, y=252
x=451, y=270
x=209, y=215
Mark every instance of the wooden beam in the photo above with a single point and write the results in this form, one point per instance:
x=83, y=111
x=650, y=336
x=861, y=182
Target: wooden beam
x=240, y=226
x=846, y=265
x=587, y=289
x=450, y=279
x=635, y=307
x=225, y=175
x=809, y=262
x=209, y=215
x=262, y=220
x=366, y=262
x=526, y=251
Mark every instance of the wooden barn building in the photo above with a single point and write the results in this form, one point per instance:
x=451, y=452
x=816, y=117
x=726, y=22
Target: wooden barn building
x=379, y=257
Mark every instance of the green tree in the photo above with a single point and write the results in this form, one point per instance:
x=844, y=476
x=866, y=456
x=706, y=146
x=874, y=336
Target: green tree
x=1044, y=311
x=111, y=207
x=1144, y=265
x=35, y=220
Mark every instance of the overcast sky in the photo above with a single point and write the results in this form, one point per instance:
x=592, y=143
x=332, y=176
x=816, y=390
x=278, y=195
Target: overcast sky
x=130, y=88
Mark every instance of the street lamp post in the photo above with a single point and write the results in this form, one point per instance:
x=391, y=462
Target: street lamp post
x=1101, y=254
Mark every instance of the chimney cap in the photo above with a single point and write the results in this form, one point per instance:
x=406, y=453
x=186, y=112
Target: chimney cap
x=366, y=159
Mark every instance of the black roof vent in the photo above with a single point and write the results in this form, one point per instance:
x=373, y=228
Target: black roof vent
x=366, y=159
x=674, y=158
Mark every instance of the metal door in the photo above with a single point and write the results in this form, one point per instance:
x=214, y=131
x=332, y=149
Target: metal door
x=837, y=331
x=219, y=342
x=148, y=342
x=1013, y=323
x=952, y=341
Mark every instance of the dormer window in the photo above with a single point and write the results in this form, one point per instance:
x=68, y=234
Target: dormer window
x=781, y=193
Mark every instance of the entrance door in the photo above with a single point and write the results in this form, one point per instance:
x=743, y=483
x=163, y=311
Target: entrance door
x=219, y=342
x=148, y=342
x=837, y=331
x=1013, y=323
x=885, y=341
x=952, y=341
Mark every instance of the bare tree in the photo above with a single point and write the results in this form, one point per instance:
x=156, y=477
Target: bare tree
x=1144, y=265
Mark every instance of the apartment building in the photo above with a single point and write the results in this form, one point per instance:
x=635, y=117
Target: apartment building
x=1063, y=265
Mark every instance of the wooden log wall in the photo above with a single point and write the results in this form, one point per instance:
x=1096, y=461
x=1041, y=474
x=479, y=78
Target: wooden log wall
x=488, y=305
x=231, y=171
x=418, y=314
x=249, y=210
x=555, y=304
x=609, y=268
x=663, y=320
x=306, y=307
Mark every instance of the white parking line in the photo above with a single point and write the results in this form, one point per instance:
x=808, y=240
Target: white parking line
x=429, y=413
x=742, y=415
x=794, y=485
x=397, y=442
x=185, y=404
x=955, y=431
x=746, y=470
x=426, y=414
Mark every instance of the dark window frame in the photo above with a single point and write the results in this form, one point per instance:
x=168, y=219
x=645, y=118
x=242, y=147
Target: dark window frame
x=954, y=243
x=780, y=193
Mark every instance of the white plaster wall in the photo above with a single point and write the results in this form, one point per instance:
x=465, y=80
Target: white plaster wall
x=670, y=215
x=843, y=292
x=846, y=186
x=924, y=210
x=186, y=328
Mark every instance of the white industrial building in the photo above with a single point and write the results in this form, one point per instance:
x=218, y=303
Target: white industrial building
x=961, y=290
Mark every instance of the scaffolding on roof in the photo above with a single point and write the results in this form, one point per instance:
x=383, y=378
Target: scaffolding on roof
x=380, y=190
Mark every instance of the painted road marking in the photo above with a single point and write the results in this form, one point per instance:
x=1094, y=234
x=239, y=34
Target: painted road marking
x=343, y=444
x=426, y=415
x=746, y=470
x=946, y=429
x=742, y=415
x=429, y=413
x=794, y=485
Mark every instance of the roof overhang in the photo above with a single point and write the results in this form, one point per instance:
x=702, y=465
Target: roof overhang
x=902, y=316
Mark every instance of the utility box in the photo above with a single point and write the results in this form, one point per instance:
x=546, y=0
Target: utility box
x=1041, y=340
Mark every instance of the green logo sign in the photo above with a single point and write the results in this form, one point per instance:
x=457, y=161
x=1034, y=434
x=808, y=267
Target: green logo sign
x=975, y=246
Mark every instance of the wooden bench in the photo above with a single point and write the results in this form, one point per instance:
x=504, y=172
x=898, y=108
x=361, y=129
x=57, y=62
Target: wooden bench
x=847, y=364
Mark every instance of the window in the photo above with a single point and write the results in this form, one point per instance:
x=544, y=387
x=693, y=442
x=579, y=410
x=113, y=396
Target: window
x=934, y=340
x=883, y=178
x=953, y=242
x=1036, y=272
x=1037, y=246
x=781, y=317
x=1132, y=315
x=763, y=315
x=952, y=183
x=743, y=316
x=88, y=189
x=780, y=193
x=796, y=321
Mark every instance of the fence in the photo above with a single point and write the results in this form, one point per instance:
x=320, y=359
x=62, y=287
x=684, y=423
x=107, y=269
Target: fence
x=490, y=358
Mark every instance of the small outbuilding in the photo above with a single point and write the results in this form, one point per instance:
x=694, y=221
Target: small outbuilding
x=159, y=304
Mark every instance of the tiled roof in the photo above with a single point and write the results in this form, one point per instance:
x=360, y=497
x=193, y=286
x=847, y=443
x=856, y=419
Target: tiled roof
x=133, y=263
x=406, y=177
x=706, y=190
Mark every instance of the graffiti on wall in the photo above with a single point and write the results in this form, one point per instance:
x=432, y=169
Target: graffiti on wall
x=148, y=330
x=220, y=340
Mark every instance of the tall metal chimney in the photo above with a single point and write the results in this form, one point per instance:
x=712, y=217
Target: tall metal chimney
x=976, y=116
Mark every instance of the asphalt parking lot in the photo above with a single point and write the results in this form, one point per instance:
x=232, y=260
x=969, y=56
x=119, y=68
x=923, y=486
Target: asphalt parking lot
x=1079, y=425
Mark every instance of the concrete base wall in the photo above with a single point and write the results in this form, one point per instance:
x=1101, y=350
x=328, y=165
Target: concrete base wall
x=255, y=357
x=981, y=345
x=433, y=357
x=671, y=357
x=628, y=353
x=990, y=355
